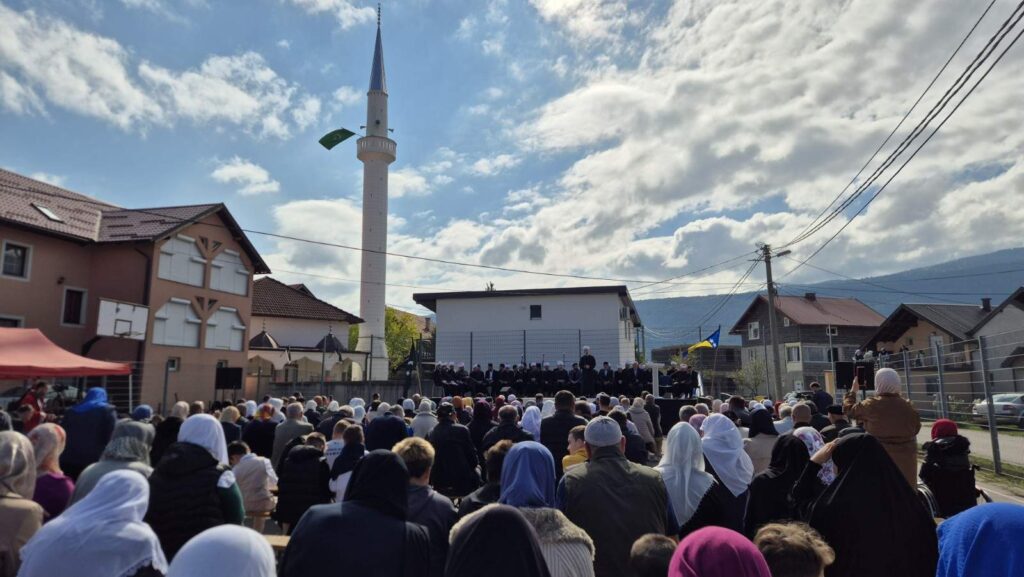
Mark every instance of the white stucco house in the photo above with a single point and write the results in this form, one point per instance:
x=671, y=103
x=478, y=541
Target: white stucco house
x=295, y=337
x=1002, y=331
x=534, y=325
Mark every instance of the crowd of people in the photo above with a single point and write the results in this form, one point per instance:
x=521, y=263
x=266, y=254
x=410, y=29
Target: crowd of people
x=583, y=378
x=496, y=485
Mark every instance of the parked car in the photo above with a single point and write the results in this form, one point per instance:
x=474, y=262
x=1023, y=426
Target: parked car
x=1007, y=408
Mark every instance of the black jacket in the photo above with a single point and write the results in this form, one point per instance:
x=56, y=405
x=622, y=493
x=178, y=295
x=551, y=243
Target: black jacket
x=479, y=499
x=455, y=471
x=183, y=499
x=259, y=435
x=166, y=435
x=232, y=432
x=948, y=473
x=384, y=432
x=711, y=512
x=88, y=433
x=303, y=481
x=326, y=425
x=510, y=431
x=554, y=434
x=831, y=432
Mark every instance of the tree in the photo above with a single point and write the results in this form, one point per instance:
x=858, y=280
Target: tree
x=400, y=331
x=750, y=378
x=353, y=337
x=489, y=287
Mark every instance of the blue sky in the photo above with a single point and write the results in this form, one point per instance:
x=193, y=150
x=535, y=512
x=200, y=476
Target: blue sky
x=597, y=137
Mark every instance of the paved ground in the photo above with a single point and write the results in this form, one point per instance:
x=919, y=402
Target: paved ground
x=1011, y=447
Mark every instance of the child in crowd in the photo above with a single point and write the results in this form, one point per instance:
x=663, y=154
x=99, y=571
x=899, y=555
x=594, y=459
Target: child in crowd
x=794, y=550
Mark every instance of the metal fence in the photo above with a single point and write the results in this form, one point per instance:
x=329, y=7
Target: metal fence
x=979, y=384
x=535, y=346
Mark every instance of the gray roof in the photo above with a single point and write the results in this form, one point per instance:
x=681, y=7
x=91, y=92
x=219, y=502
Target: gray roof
x=955, y=319
x=377, y=79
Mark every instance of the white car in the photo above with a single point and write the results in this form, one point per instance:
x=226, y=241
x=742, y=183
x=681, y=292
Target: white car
x=1007, y=408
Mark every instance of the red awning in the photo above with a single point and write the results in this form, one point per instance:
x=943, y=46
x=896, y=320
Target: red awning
x=27, y=353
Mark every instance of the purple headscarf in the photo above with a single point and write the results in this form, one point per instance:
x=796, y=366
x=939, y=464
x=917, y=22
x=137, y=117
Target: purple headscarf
x=717, y=552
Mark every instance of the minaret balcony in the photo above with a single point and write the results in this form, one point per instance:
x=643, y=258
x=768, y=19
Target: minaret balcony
x=370, y=147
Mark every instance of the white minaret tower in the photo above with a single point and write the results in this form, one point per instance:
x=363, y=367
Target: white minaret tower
x=376, y=151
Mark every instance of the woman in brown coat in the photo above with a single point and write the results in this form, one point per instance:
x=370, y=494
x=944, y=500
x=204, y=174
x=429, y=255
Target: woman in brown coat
x=889, y=418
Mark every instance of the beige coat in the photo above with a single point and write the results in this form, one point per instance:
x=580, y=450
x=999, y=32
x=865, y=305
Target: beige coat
x=894, y=422
x=759, y=449
x=255, y=476
x=19, y=520
x=643, y=423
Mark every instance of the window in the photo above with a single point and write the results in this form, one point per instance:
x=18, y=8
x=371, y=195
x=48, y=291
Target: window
x=228, y=273
x=181, y=261
x=10, y=322
x=754, y=331
x=225, y=330
x=833, y=331
x=785, y=321
x=73, y=311
x=176, y=324
x=173, y=364
x=535, y=312
x=812, y=354
x=222, y=364
x=47, y=212
x=16, y=260
x=792, y=353
x=752, y=354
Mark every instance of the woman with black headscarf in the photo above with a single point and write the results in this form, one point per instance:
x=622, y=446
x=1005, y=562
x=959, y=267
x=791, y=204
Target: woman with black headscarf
x=479, y=426
x=870, y=515
x=760, y=441
x=476, y=542
x=770, y=499
x=367, y=532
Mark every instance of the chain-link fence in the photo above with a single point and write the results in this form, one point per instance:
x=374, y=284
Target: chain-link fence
x=979, y=384
x=535, y=346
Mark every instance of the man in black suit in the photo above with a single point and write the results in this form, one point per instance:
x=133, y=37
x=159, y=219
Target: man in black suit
x=605, y=380
x=588, y=367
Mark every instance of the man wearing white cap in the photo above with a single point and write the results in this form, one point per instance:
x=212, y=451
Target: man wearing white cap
x=593, y=494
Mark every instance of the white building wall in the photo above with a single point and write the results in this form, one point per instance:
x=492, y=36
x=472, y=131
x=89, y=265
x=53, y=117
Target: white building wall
x=499, y=329
x=297, y=332
x=1003, y=334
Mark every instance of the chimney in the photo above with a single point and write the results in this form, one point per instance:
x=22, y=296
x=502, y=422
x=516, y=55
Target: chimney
x=811, y=296
x=986, y=305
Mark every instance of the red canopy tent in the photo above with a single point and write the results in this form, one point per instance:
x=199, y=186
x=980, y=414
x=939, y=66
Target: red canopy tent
x=27, y=353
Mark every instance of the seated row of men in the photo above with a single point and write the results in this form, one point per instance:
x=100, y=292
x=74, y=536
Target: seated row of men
x=531, y=379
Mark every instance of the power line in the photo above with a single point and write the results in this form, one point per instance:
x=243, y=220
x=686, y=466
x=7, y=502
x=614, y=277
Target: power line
x=970, y=32
x=928, y=139
x=645, y=282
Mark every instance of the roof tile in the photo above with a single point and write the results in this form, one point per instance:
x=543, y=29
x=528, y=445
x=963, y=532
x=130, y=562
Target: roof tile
x=272, y=298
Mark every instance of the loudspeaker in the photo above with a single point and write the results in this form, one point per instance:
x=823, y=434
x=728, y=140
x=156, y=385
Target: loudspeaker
x=228, y=378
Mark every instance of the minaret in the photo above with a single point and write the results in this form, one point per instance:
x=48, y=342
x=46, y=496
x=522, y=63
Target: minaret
x=376, y=151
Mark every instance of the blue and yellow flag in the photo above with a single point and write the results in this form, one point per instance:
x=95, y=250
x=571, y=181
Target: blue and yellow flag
x=709, y=343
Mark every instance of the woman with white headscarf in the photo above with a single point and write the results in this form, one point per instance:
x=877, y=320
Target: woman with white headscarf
x=53, y=487
x=102, y=535
x=20, y=516
x=644, y=426
x=730, y=464
x=312, y=414
x=531, y=421
x=193, y=488
x=243, y=552
x=698, y=500
x=128, y=449
x=889, y=418
x=278, y=405
x=548, y=409
x=250, y=409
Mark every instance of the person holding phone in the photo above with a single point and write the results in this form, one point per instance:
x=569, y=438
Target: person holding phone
x=890, y=418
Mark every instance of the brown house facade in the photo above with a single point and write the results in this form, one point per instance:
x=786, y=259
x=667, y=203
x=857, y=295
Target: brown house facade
x=192, y=266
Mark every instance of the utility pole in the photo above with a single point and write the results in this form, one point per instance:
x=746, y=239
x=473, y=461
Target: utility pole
x=773, y=324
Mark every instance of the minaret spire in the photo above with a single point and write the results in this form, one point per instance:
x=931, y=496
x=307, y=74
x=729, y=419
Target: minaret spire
x=377, y=78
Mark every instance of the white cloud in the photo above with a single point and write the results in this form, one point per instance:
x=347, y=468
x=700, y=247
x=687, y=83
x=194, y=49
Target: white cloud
x=46, y=61
x=348, y=95
x=252, y=178
x=284, y=44
x=466, y=28
x=494, y=165
x=307, y=112
x=48, y=178
x=344, y=11
x=407, y=181
x=590, y=22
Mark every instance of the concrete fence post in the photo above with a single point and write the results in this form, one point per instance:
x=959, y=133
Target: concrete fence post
x=987, y=388
x=937, y=353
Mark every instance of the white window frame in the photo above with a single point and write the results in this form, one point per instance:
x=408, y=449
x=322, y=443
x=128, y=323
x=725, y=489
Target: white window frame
x=224, y=271
x=799, y=355
x=173, y=364
x=82, y=313
x=212, y=323
x=752, y=328
x=192, y=321
x=28, y=260
x=15, y=318
x=785, y=321
x=833, y=331
x=191, y=258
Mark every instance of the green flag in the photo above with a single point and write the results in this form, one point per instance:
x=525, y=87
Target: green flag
x=336, y=137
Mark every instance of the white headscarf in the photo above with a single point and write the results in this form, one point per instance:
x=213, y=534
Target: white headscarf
x=548, y=409
x=887, y=382
x=531, y=421
x=358, y=414
x=333, y=407
x=723, y=446
x=357, y=402
x=408, y=405
x=250, y=409
x=226, y=549
x=278, y=405
x=205, y=431
x=311, y=405
x=813, y=441
x=682, y=468
x=102, y=535
x=17, y=465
